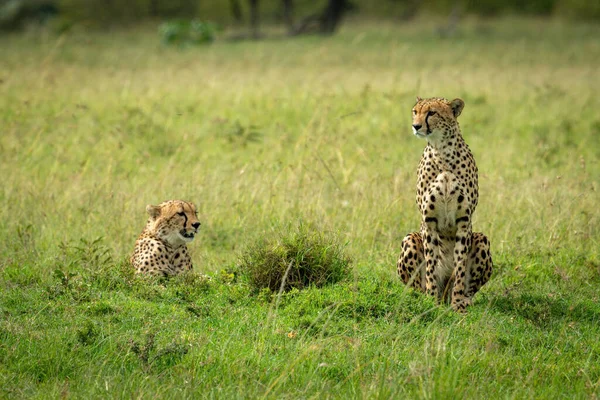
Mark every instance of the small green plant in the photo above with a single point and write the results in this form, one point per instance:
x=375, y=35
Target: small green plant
x=184, y=33
x=87, y=334
x=191, y=285
x=297, y=258
x=65, y=278
x=26, y=236
x=162, y=358
x=242, y=134
x=92, y=255
x=227, y=276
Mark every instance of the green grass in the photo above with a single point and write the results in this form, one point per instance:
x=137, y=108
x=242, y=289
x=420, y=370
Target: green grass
x=260, y=135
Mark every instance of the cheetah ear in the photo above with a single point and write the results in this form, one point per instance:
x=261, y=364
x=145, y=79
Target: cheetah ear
x=419, y=99
x=153, y=211
x=457, y=106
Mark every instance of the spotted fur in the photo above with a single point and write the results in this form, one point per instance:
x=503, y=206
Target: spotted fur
x=445, y=259
x=161, y=248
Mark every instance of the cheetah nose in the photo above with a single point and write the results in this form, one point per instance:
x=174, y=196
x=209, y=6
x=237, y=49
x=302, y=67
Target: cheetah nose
x=417, y=126
x=196, y=225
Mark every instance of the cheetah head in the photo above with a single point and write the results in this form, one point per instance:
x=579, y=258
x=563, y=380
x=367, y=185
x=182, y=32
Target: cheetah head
x=173, y=221
x=435, y=116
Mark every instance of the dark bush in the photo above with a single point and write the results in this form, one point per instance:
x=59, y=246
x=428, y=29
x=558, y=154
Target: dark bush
x=298, y=257
x=495, y=7
x=578, y=9
x=108, y=12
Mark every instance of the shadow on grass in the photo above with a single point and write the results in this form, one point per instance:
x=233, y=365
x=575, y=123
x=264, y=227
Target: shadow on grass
x=545, y=311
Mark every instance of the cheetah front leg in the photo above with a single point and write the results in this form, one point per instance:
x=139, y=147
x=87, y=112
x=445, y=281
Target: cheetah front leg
x=480, y=263
x=462, y=245
x=432, y=258
x=410, y=262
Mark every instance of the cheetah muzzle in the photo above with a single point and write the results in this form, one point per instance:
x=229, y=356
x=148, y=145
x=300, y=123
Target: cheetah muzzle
x=187, y=236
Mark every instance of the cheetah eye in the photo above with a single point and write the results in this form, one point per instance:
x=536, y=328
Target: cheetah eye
x=430, y=113
x=414, y=112
x=181, y=213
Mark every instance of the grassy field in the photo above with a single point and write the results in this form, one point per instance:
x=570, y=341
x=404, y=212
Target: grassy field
x=263, y=135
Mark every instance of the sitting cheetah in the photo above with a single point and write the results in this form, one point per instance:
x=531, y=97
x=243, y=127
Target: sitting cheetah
x=445, y=258
x=161, y=248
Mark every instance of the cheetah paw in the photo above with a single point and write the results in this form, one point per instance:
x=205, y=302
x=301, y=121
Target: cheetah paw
x=461, y=305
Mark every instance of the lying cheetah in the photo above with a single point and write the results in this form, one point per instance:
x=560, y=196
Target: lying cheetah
x=445, y=259
x=161, y=248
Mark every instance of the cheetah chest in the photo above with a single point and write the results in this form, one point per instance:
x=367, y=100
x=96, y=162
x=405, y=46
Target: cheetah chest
x=444, y=194
x=442, y=203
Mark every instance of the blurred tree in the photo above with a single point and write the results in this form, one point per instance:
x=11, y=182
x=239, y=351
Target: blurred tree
x=332, y=15
x=254, y=18
x=13, y=13
x=236, y=10
x=288, y=11
x=325, y=22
